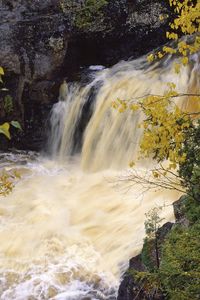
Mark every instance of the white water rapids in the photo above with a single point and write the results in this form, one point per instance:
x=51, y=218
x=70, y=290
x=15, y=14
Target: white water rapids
x=71, y=224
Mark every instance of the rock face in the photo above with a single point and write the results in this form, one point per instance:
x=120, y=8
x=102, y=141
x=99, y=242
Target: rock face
x=43, y=41
x=129, y=289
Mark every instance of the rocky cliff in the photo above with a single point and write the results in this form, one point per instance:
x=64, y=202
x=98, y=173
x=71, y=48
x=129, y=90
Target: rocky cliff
x=44, y=41
x=131, y=288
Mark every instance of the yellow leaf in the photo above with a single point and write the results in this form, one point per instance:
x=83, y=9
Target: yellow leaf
x=172, y=166
x=134, y=107
x=171, y=85
x=4, y=129
x=1, y=71
x=131, y=164
x=177, y=68
x=160, y=54
x=184, y=60
x=155, y=174
x=150, y=58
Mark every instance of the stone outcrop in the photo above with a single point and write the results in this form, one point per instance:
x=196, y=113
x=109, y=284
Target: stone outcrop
x=129, y=289
x=42, y=42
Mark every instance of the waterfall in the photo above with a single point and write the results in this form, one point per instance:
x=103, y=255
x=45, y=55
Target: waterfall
x=107, y=138
x=72, y=223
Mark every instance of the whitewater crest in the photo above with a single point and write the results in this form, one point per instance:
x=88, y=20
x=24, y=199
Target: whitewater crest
x=86, y=121
x=71, y=224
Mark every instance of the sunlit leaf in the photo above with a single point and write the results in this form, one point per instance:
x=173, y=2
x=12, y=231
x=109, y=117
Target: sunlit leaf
x=16, y=124
x=4, y=129
x=1, y=71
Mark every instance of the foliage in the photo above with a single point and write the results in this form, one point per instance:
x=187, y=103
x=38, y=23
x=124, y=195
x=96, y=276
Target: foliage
x=5, y=129
x=8, y=104
x=150, y=246
x=16, y=124
x=7, y=179
x=166, y=126
x=85, y=13
x=174, y=135
x=179, y=274
x=191, y=210
x=157, y=130
x=180, y=267
x=7, y=182
x=189, y=169
x=149, y=283
x=1, y=73
x=147, y=255
x=152, y=223
x=186, y=22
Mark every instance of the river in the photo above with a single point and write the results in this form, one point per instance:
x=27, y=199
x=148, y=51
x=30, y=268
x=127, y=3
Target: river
x=73, y=221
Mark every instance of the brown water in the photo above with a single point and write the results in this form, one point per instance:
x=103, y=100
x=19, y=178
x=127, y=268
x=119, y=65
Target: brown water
x=71, y=224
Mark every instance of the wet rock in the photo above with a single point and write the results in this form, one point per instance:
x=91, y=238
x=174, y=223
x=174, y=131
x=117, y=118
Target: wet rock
x=179, y=211
x=129, y=288
x=42, y=42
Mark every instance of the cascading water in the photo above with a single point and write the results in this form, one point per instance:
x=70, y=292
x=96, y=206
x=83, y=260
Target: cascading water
x=70, y=226
x=111, y=139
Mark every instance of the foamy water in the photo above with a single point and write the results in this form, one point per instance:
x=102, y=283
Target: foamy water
x=66, y=234
x=71, y=224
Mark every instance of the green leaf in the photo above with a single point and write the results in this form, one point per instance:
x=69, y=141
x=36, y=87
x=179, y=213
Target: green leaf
x=8, y=104
x=4, y=129
x=16, y=124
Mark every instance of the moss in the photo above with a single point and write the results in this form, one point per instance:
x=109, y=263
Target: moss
x=57, y=44
x=146, y=255
x=192, y=210
x=85, y=13
x=178, y=277
x=180, y=268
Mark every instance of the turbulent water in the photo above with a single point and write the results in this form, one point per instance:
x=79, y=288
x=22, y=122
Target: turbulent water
x=72, y=222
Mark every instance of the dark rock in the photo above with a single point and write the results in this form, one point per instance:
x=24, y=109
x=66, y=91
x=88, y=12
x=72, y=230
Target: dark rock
x=41, y=43
x=163, y=231
x=129, y=288
x=179, y=211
